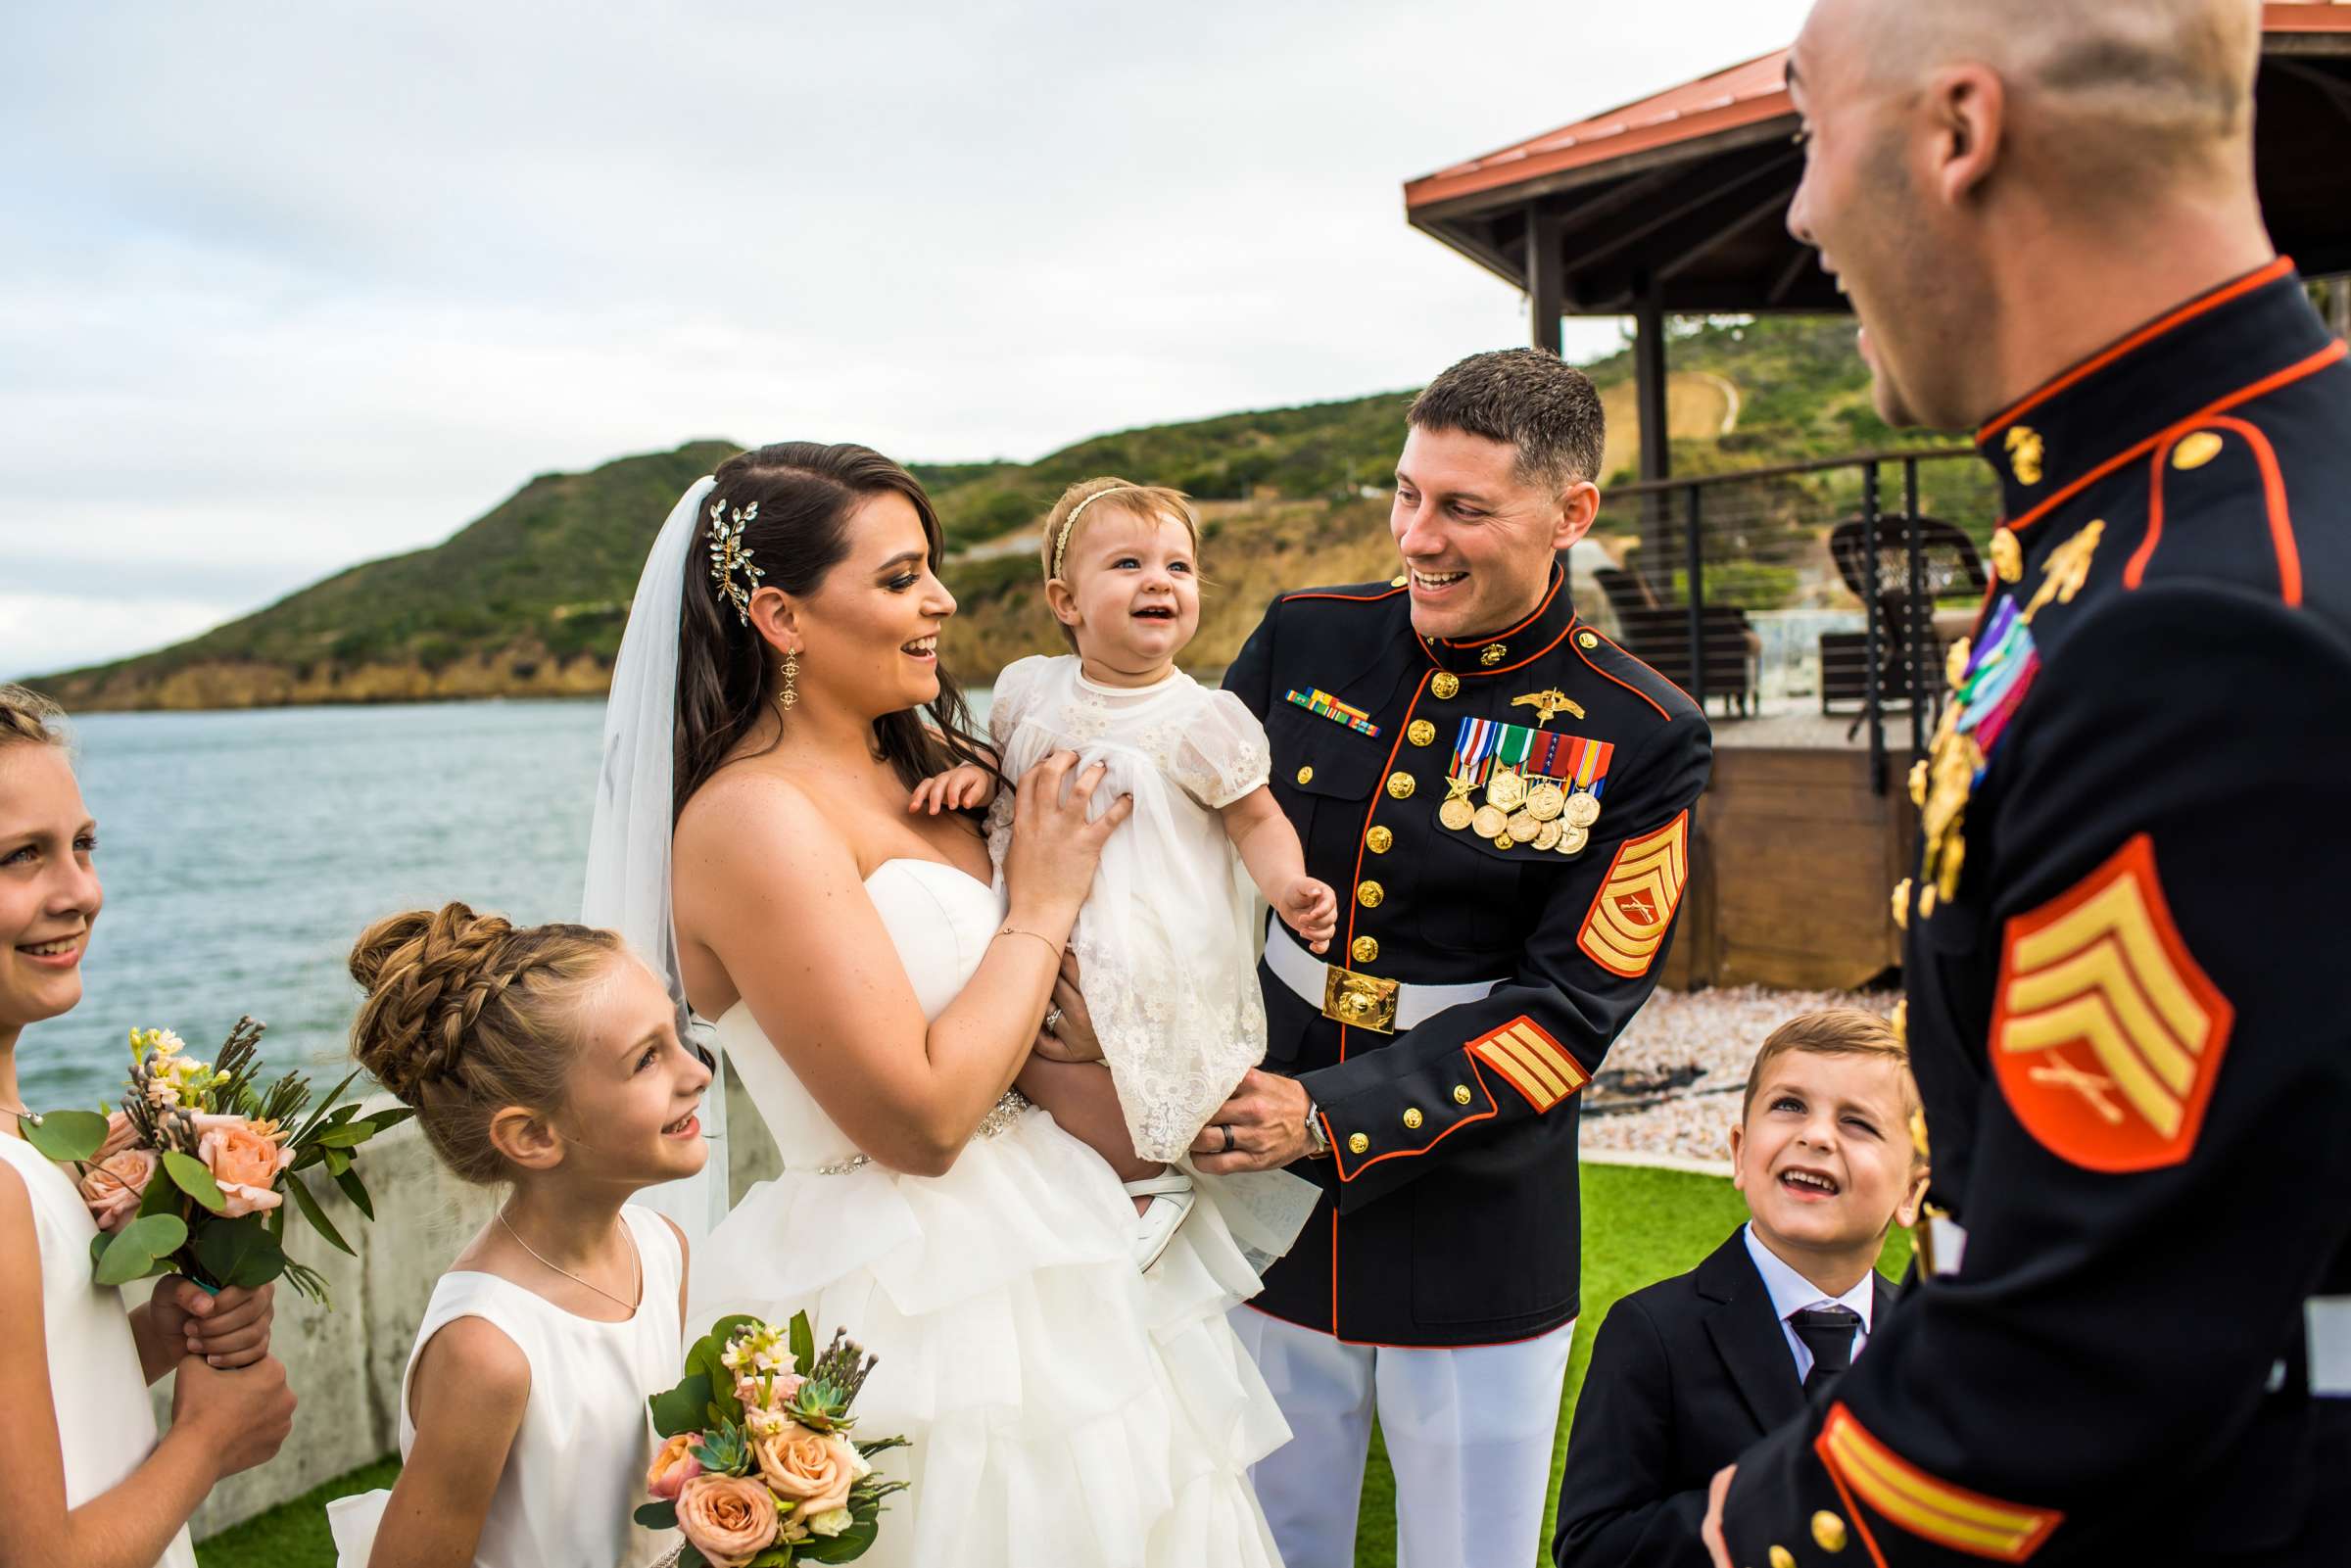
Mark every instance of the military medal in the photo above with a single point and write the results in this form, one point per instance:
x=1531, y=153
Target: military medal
x=1318, y=700
x=1541, y=787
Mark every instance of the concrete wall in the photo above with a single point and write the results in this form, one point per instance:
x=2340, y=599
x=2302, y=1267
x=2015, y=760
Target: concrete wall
x=346, y=1364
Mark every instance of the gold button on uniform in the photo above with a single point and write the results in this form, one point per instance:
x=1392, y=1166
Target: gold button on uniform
x=1364, y=949
x=1380, y=841
x=1587, y=641
x=1419, y=732
x=1901, y=904
x=1781, y=1558
x=2194, y=451
x=1411, y=1117
x=1900, y=1022
x=2007, y=555
x=1306, y=776
x=1828, y=1531
x=1445, y=683
x=1399, y=784
x=1368, y=894
x=1356, y=1143
x=1460, y=1094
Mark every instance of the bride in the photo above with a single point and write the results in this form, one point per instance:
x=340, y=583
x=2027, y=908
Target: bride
x=777, y=696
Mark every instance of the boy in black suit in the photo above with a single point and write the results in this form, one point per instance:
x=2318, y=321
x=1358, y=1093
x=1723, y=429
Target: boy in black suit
x=1689, y=1372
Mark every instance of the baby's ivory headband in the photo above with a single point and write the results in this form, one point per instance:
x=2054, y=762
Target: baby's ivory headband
x=1061, y=540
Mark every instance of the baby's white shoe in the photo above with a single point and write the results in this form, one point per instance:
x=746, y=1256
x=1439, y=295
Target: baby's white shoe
x=1171, y=1198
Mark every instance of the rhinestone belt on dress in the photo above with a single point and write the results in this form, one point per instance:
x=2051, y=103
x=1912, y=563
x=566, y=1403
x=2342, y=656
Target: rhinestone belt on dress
x=1000, y=1117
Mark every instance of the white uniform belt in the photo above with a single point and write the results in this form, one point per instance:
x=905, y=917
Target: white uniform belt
x=1312, y=980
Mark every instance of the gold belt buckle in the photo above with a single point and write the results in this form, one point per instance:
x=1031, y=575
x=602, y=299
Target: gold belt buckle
x=1359, y=1001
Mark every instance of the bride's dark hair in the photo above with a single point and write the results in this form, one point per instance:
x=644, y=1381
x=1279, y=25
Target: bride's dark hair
x=727, y=675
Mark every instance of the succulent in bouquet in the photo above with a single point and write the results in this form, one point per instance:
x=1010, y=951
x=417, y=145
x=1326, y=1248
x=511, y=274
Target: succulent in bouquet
x=195, y=1172
x=757, y=1467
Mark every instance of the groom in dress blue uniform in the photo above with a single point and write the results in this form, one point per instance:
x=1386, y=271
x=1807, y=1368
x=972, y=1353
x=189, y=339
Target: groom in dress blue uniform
x=1503, y=797
x=2128, y=1010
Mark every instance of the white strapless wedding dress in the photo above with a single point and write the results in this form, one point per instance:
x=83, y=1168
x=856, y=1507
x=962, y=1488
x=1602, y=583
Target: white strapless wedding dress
x=1063, y=1409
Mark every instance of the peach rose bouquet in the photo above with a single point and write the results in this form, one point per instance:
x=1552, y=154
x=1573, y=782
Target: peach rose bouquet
x=194, y=1173
x=757, y=1468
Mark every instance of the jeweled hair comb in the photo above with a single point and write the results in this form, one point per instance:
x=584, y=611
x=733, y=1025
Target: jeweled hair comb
x=730, y=559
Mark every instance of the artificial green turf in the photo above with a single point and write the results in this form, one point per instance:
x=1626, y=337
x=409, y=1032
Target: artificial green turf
x=1640, y=1226
x=291, y=1535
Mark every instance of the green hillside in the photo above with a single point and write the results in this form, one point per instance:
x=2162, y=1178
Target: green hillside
x=530, y=599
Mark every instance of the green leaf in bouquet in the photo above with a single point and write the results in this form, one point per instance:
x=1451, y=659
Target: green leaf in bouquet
x=688, y=1557
x=775, y=1557
x=386, y=1121
x=354, y=1189
x=803, y=1344
x=162, y=1198
x=132, y=1252
x=239, y=1252
x=658, y=1516
x=850, y=1545
x=338, y=1160
x=326, y=1104
x=299, y=1190
x=350, y=1135
x=65, y=1135
x=681, y=1410
x=310, y=1282
x=703, y=1357
x=189, y=1175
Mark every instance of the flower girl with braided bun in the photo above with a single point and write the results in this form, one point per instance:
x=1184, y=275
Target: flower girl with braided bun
x=544, y=1058
x=85, y=1480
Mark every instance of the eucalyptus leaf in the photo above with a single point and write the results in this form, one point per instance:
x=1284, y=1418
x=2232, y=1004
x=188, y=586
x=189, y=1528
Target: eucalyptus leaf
x=681, y=1408
x=803, y=1344
x=688, y=1557
x=135, y=1249
x=65, y=1135
x=160, y=1198
x=189, y=1175
x=658, y=1516
x=851, y=1543
x=297, y=1190
x=239, y=1252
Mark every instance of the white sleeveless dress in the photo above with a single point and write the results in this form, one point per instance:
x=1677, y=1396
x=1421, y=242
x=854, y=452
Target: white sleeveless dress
x=105, y=1424
x=577, y=1468
x=1063, y=1409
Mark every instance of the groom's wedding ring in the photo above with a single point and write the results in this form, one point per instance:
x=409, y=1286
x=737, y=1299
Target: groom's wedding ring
x=1225, y=1128
x=1052, y=1020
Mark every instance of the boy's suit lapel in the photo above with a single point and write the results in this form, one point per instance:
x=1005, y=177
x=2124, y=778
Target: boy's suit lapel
x=1747, y=1333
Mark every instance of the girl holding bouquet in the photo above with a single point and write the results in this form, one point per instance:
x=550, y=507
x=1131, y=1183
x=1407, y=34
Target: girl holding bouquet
x=544, y=1058
x=87, y=1481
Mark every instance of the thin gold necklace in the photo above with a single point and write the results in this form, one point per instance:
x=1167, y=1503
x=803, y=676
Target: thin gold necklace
x=635, y=1267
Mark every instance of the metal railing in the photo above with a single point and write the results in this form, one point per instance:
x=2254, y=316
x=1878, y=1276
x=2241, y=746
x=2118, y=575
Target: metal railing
x=1741, y=585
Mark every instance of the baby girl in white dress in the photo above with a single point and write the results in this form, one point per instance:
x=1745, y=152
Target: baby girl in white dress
x=1166, y=945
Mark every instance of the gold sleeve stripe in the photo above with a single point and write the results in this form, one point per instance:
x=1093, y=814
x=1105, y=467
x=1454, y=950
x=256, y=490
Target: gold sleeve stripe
x=1948, y=1515
x=1531, y=1061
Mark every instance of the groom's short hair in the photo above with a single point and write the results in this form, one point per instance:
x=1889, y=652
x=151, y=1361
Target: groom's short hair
x=1525, y=398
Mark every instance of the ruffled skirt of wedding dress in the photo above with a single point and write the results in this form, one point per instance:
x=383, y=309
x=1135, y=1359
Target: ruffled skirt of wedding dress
x=1063, y=1409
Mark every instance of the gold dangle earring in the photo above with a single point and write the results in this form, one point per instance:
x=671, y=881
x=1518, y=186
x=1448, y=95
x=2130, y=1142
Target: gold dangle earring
x=792, y=675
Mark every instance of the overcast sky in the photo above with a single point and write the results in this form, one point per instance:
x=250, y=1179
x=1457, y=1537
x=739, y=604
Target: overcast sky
x=285, y=288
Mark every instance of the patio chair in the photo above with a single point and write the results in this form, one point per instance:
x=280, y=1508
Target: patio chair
x=1658, y=635
x=1949, y=566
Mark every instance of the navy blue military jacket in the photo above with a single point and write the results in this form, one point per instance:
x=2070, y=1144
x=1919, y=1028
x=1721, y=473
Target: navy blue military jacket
x=1438, y=786
x=2129, y=1003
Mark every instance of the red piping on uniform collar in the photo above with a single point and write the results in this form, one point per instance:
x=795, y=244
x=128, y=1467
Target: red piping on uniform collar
x=2211, y=300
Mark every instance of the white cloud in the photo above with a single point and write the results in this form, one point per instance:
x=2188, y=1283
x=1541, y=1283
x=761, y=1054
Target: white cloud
x=279, y=296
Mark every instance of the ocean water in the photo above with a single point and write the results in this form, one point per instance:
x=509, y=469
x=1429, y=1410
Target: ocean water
x=243, y=853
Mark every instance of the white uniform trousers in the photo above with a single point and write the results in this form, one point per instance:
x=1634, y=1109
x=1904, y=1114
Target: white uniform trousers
x=1469, y=1433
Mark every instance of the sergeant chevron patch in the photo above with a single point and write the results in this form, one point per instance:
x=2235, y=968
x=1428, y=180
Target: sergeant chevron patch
x=1533, y=1063
x=1935, y=1510
x=1630, y=918
x=2106, y=1035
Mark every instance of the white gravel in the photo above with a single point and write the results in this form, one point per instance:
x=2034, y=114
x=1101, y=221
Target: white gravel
x=1670, y=1084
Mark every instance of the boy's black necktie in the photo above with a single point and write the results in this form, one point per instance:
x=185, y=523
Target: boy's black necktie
x=1828, y=1333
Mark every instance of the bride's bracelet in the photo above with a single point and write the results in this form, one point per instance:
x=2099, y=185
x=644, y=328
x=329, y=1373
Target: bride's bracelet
x=1023, y=930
